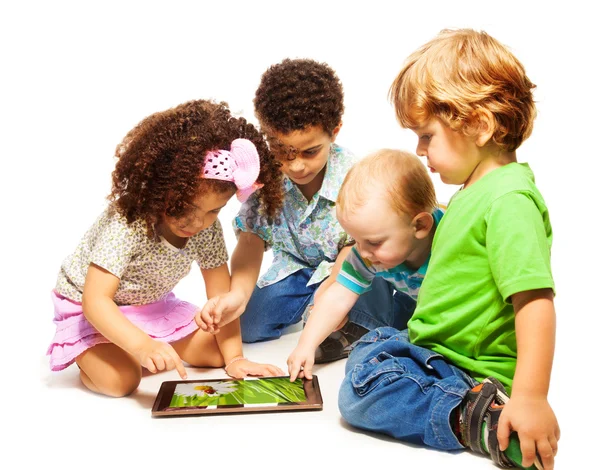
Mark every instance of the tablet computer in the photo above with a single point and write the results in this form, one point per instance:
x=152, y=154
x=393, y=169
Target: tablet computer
x=218, y=396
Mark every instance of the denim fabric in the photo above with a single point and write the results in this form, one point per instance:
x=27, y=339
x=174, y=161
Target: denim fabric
x=273, y=308
x=396, y=388
x=404, y=307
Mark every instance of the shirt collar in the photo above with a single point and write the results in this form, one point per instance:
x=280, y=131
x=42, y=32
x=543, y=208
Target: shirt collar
x=331, y=185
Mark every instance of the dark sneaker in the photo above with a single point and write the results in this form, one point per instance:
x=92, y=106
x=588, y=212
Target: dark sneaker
x=481, y=410
x=338, y=344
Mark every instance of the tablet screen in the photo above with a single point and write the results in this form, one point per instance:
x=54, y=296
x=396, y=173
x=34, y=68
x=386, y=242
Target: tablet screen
x=238, y=392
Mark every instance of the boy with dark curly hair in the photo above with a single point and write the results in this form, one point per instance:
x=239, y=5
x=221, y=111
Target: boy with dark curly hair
x=299, y=104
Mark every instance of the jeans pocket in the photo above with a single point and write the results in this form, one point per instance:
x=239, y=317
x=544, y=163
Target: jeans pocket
x=381, y=369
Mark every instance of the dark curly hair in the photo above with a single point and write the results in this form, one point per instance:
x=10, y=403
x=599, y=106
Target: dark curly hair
x=160, y=160
x=299, y=93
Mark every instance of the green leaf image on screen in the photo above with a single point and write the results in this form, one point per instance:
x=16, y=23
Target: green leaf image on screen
x=242, y=392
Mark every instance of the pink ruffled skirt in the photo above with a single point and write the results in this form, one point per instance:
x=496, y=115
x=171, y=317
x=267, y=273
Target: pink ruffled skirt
x=167, y=320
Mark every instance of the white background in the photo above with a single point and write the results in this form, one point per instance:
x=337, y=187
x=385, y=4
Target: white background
x=77, y=76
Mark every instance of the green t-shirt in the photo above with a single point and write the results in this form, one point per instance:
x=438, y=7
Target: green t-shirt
x=494, y=241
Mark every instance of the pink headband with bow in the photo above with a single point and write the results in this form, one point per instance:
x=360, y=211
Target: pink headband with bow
x=240, y=165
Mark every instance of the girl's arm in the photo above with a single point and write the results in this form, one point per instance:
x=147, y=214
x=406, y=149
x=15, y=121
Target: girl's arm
x=229, y=337
x=245, y=263
x=101, y=311
x=217, y=282
x=245, y=268
x=329, y=311
x=528, y=411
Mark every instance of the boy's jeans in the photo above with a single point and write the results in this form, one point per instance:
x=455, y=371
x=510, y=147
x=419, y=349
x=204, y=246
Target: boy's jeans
x=405, y=391
x=275, y=307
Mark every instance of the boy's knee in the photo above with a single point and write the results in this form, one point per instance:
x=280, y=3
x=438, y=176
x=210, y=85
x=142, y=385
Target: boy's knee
x=253, y=335
x=349, y=402
x=258, y=330
x=248, y=335
x=250, y=327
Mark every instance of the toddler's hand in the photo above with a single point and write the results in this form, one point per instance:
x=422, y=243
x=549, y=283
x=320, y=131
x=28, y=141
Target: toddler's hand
x=155, y=355
x=300, y=362
x=244, y=368
x=534, y=421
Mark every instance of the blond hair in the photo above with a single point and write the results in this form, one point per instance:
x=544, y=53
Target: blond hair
x=400, y=174
x=455, y=76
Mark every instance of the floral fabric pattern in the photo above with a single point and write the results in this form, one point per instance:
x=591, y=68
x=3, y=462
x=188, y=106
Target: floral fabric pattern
x=148, y=269
x=305, y=234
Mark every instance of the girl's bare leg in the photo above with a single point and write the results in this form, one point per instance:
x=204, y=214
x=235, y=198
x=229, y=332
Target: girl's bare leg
x=200, y=349
x=109, y=370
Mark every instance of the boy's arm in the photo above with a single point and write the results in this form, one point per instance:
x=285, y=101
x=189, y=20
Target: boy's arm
x=245, y=263
x=229, y=338
x=337, y=266
x=245, y=268
x=218, y=282
x=331, y=308
x=528, y=411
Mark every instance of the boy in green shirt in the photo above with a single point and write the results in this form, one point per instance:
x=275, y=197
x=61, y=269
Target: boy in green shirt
x=489, y=288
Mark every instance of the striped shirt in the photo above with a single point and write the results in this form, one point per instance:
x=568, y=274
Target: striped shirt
x=357, y=274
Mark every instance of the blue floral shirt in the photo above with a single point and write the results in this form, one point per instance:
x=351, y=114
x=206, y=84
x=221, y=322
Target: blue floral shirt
x=305, y=234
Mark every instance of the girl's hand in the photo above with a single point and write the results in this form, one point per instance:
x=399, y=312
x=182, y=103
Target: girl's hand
x=221, y=310
x=534, y=421
x=243, y=368
x=155, y=355
x=300, y=362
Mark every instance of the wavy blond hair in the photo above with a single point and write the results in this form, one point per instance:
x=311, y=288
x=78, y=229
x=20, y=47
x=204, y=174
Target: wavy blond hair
x=457, y=75
x=400, y=174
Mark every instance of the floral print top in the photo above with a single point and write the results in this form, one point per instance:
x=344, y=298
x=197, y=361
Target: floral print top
x=147, y=269
x=305, y=234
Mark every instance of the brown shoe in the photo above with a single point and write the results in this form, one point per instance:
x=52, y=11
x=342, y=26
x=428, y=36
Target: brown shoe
x=338, y=344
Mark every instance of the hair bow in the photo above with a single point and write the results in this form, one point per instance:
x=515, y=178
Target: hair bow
x=240, y=165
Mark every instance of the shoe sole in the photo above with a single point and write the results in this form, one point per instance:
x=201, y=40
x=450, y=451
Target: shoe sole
x=504, y=398
x=331, y=359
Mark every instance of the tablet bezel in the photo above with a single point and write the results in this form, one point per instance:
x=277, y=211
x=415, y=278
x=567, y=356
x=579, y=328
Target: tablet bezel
x=314, y=400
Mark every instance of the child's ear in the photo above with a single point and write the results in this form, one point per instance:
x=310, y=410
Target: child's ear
x=336, y=131
x=485, y=125
x=422, y=224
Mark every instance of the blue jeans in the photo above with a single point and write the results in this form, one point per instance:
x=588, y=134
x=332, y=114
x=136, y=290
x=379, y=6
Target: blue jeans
x=273, y=308
x=396, y=388
x=404, y=307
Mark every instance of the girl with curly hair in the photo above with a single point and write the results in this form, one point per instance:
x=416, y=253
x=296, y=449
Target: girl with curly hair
x=115, y=312
x=299, y=104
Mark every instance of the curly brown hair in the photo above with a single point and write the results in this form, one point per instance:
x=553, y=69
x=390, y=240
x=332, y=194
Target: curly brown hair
x=298, y=93
x=160, y=160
